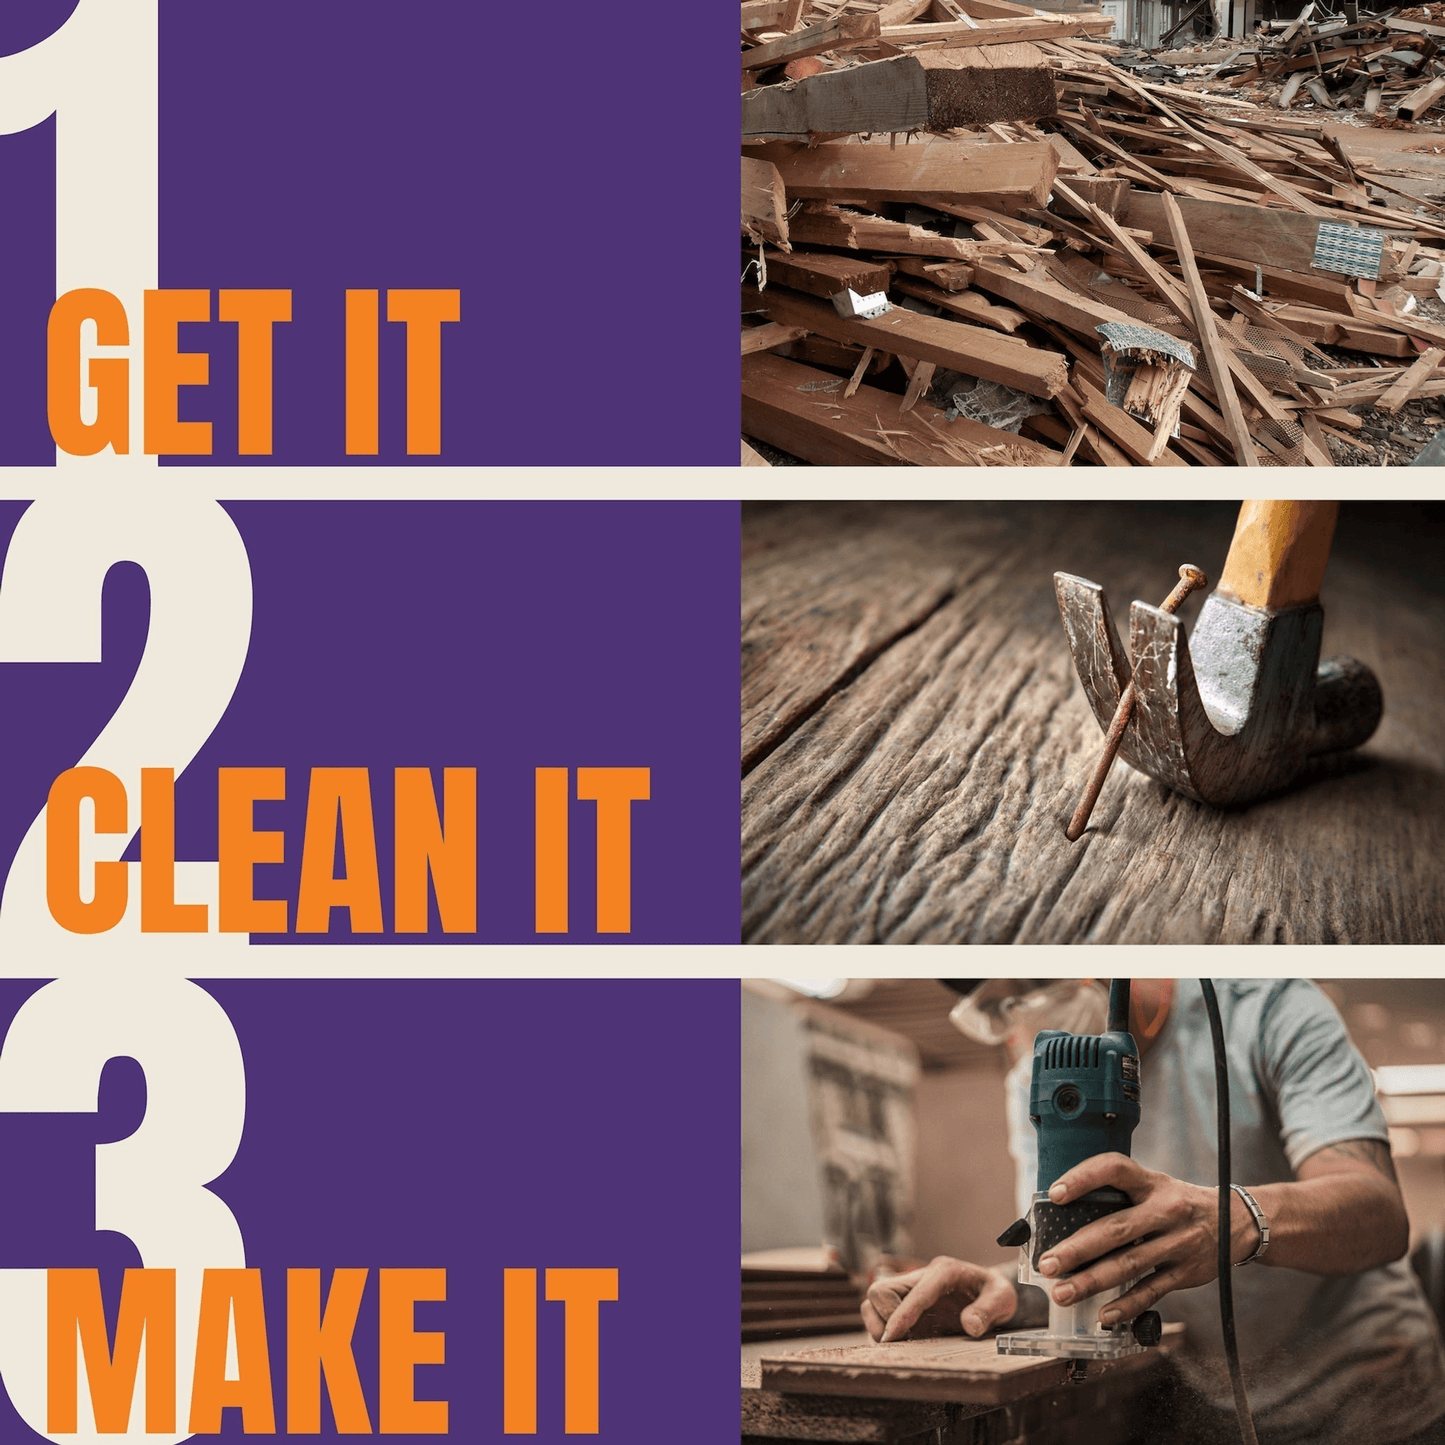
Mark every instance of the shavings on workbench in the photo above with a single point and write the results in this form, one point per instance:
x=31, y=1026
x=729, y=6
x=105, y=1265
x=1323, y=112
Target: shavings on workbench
x=1034, y=199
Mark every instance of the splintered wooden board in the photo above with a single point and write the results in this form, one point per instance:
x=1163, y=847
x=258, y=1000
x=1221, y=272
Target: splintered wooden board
x=951, y=1368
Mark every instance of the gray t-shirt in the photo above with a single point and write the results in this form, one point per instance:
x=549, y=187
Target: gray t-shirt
x=1352, y=1358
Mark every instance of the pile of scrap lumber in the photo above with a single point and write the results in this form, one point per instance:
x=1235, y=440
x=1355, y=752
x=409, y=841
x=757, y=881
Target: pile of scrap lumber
x=1374, y=63
x=1081, y=262
x=797, y=1292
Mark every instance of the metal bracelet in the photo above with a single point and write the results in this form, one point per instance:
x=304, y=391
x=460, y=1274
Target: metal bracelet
x=1259, y=1219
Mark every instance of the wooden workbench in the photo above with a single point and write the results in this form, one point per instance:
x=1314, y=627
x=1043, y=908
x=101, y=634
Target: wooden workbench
x=914, y=738
x=943, y=1391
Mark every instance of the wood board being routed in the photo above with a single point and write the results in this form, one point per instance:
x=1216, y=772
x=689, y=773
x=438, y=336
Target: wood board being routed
x=948, y=1368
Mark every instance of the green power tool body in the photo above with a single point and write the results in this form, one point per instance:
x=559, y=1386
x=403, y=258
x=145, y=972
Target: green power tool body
x=1083, y=1101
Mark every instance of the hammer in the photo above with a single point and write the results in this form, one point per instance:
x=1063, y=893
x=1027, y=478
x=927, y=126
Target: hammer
x=1234, y=716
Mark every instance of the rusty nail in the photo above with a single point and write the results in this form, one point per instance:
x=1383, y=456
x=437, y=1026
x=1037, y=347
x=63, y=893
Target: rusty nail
x=1191, y=579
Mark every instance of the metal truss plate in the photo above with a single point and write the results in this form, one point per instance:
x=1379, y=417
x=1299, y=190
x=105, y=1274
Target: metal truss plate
x=1349, y=250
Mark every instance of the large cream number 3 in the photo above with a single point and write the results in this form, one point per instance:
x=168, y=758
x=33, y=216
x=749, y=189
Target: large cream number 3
x=116, y=994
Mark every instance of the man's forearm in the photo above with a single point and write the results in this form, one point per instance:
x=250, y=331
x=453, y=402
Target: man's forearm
x=1330, y=1224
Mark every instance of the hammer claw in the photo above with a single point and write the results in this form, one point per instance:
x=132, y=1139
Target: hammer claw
x=1099, y=655
x=1234, y=719
x=1168, y=710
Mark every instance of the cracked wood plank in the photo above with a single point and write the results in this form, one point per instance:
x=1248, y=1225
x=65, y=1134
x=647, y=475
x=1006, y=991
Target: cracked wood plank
x=934, y=739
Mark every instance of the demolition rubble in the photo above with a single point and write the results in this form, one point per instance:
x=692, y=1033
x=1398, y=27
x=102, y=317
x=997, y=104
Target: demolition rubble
x=980, y=234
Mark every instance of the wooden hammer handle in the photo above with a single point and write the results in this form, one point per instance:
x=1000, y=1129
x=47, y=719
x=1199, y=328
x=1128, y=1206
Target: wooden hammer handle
x=1279, y=553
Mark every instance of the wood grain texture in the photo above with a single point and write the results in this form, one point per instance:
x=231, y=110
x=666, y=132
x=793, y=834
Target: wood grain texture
x=950, y=170
x=948, y=1368
x=1279, y=552
x=916, y=789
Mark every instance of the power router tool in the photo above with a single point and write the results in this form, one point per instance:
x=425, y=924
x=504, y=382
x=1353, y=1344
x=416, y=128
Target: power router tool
x=1083, y=1101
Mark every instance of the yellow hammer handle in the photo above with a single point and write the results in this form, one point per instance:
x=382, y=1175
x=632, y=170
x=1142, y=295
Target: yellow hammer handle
x=1279, y=553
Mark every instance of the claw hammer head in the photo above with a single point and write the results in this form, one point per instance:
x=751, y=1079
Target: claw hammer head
x=1234, y=715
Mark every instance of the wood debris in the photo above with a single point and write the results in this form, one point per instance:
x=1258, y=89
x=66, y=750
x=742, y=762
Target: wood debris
x=1030, y=197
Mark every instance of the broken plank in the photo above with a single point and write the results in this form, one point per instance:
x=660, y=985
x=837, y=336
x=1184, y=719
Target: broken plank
x=1205, y=324
x=825, y=275
x=859, y=372
x=948, y=170
x=806, y=413
x=1418, y=102
x=968, y=305
x=900, y=12
x=949, y=275
x=1122, y=429
x=917, y=383
x=769, y=335
x=1111, y=193
x=765, y=205
x=930, y=90
x=969, y=349
x=819, y=224
x=1040, y=295
x=780, y=15
x=751, y=458
x=843, y=32
x=999, y=32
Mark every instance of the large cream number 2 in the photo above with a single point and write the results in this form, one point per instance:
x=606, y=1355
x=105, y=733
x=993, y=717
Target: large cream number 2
x=111, y=996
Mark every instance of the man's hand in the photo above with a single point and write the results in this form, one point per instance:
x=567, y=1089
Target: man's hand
x=942, y=1297
x=1171, y=1227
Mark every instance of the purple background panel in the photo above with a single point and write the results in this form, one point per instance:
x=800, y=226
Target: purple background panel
x=473, y=1126
x=573, y=175
x=564, y=169
x=497, y=635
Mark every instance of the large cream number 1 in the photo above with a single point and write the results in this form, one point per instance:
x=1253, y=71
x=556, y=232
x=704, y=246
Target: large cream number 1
x=98, y=75
x=118, y=994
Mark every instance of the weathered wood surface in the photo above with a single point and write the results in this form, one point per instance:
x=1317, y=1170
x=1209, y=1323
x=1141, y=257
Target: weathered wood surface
x=915, y=738
x=947, y=1368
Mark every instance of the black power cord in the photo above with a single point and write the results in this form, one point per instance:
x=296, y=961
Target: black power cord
x=1226, y=1285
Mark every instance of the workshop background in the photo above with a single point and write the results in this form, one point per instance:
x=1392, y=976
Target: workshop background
x=872, y=1129
x=915, y=736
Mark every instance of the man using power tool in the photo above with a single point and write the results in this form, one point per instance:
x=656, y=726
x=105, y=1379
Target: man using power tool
x=1336, y=1341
